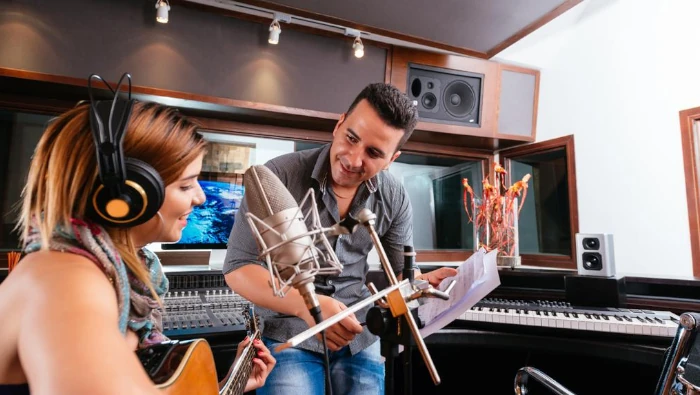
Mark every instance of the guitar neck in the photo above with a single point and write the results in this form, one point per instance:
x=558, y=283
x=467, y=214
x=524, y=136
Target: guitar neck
x=240, y=371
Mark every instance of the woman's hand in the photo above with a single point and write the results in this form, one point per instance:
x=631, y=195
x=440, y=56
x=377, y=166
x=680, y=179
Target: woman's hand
x=263, y=363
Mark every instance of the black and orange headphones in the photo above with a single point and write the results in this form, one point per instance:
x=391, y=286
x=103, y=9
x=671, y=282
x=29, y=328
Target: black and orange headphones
x=128, y=192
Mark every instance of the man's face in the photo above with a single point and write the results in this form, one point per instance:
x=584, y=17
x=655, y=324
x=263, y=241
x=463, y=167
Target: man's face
x=363, y=145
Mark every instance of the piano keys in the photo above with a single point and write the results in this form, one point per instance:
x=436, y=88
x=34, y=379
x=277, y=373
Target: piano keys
x=561, y=315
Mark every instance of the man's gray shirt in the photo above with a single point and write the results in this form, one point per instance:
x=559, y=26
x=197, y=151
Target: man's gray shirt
x=383, y=194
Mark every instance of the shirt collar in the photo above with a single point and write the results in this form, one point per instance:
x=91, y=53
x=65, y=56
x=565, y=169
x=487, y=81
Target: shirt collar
x=320, y=173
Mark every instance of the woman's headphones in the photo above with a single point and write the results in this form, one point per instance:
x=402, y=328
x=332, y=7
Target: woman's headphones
x=128, y=191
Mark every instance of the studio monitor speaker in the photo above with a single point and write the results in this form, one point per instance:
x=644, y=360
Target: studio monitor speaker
x=595, y=255
x=446, y=96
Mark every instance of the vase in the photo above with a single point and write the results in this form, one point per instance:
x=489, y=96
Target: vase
x=503, y=235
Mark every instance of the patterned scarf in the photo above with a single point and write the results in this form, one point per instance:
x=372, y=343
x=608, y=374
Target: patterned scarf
x=138, y=310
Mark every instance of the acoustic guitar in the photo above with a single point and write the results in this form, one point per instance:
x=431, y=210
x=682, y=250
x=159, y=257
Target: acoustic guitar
x=186, y=367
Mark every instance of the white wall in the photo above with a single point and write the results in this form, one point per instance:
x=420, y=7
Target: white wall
x=615, y=74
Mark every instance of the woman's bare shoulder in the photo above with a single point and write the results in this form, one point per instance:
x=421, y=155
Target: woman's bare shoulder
x=61, y=273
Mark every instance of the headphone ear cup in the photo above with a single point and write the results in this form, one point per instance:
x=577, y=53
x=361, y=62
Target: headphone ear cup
x=141, y=198
x=143, y=175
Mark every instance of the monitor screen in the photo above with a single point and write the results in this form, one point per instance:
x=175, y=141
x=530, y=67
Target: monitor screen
x=209, y=225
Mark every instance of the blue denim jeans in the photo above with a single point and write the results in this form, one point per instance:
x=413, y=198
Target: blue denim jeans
x=301, y=372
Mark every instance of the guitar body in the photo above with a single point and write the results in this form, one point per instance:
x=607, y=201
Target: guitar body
x=186, y=367
x=181, y=367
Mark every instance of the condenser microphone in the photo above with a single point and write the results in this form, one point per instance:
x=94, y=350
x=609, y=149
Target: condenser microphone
x=284, y=240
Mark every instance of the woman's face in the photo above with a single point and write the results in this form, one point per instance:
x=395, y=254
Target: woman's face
x=180, y=197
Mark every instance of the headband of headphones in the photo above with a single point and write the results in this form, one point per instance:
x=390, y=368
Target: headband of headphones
x=109, y=137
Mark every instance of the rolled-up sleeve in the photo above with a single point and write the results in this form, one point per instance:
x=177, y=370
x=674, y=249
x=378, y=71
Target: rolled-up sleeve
x=242, y=248
x=400, y=232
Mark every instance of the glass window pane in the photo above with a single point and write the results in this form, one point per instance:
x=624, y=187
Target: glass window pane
x=434, y=185
x=19, y=134
x=544, y=226
x=696, y=147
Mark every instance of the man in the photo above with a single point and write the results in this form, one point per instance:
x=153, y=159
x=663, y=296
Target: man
x=346, y=176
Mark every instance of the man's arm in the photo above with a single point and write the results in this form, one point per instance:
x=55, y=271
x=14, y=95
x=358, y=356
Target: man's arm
x=252, y=282
x=400, y=232
x=249, y=277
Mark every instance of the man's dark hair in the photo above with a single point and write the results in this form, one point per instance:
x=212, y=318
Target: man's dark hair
x=393, y=106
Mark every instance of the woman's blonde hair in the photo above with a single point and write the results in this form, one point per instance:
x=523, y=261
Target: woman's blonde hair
x=64, y=169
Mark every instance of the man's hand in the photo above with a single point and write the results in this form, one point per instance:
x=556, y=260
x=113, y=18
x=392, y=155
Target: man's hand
x=436, y=276
x=340, y=334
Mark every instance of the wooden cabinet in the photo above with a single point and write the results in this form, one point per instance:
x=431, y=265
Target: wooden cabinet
x=507, y=99
x=517, y=103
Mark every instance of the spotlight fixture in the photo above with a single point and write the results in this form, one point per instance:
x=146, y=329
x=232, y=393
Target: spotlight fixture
x=358, y=48
x=162, y=7
x=275, y=28
x=275, y=31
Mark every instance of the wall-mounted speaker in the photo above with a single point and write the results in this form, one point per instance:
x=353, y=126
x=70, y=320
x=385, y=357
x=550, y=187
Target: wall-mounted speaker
x=446, y=96
x=595, y=254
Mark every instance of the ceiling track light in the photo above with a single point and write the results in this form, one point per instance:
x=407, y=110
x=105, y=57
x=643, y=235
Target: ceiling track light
x=276, y=29
x=162, y=7
x=358, y=48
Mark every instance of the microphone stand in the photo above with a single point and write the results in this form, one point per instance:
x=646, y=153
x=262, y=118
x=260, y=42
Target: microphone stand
x=394, y=331
x=393, y=300
x=408, y=264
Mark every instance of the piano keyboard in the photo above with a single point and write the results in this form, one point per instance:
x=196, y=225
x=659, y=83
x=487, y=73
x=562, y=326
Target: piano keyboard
x=548, y=314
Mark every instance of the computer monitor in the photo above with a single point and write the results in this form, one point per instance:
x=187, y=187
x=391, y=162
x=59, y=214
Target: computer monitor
x=209, y=225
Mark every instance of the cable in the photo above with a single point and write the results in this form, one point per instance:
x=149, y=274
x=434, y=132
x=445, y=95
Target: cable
x=327, y=365
x=316, y=313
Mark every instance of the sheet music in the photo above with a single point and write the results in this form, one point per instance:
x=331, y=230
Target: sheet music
x=476, y=277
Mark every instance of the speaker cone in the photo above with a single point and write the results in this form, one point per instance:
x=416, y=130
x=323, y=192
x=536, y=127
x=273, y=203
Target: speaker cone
x=592, y=261
x=459, y=99
x=429, y=101
x=591, y=243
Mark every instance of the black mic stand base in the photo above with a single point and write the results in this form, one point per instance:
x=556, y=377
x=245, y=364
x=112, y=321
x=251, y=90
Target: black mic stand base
x=394, y=331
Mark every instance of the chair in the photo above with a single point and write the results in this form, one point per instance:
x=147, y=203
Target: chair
x=680, y=374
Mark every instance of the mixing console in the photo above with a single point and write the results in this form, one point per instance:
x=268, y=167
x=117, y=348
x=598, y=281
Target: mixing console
x=209, y=307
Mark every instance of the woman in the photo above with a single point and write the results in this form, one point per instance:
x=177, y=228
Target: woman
x=85, y=297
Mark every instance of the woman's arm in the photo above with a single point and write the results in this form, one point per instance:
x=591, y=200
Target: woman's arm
x=69, y=340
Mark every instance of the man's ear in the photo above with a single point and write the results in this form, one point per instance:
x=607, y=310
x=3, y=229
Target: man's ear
x=340, y=122
x=393, y=158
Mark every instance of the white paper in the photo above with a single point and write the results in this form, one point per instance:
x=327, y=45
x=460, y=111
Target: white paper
x=476, y=277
